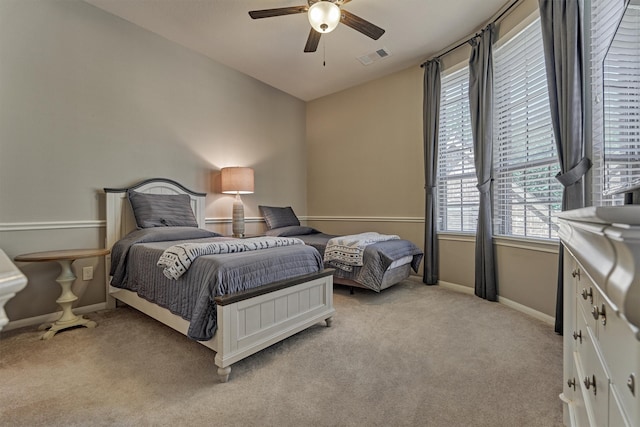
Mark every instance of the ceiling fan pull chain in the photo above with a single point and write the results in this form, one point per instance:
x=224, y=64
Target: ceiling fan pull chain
x=324, y=53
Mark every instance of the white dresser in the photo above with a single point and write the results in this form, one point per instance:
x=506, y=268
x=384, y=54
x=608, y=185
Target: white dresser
x=601, y=316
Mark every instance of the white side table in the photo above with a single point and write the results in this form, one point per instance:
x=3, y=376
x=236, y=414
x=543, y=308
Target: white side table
x=66, y=278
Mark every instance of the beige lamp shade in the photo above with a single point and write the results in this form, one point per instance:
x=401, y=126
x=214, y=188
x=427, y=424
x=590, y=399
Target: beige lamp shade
x=236, y=180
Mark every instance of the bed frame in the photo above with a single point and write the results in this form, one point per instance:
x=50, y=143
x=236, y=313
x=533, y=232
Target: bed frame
x=248, y=321
x=391, y=277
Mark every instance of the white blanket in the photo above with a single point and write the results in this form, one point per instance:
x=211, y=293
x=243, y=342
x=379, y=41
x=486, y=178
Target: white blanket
x=177, y=259
x=345, y=252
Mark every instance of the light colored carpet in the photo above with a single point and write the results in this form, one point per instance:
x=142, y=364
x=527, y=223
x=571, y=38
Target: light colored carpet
x=413, y=355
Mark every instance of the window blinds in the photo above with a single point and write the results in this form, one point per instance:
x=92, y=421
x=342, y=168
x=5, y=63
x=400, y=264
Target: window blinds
x=622, y=104
x=526, y=193
x=605, y=15
x=458, y=197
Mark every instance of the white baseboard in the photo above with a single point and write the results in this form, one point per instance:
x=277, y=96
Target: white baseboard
x=52, y=317
x=528, y=310
x=511, y=304
x=456, y=287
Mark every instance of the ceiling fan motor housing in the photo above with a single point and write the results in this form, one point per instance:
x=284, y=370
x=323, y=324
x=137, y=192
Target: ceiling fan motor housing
x=324, y=16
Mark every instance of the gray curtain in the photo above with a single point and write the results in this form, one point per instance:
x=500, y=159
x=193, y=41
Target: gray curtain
x=481, y=105
x=431, y=118
x=562, y=38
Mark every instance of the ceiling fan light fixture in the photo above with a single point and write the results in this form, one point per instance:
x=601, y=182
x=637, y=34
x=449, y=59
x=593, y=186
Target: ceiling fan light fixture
x=324, y=16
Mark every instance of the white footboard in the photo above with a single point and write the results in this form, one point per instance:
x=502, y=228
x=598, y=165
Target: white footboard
x=253, y=320
x=246, y=326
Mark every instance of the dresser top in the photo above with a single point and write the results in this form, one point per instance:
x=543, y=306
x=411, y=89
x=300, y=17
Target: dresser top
x=606, y=242
x=627, y=214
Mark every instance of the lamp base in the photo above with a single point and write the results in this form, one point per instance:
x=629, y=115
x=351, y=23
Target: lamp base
x=237, y=224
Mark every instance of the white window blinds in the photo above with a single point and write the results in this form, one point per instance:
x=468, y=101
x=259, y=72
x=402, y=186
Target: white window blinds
x=622, y=104
x=605, y=15
x=458, y=197
x=526, y=193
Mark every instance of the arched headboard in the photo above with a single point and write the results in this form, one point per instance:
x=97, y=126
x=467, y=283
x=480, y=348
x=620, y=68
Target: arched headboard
x=120, y=219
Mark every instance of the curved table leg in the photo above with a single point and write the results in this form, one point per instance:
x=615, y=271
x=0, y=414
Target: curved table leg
x=328, y=321
x=66, y=299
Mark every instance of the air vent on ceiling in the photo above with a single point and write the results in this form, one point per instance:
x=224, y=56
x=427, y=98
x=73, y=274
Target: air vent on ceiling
x=374, y=56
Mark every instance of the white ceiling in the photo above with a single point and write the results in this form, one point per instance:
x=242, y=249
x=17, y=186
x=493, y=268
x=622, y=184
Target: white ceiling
x=271, y=49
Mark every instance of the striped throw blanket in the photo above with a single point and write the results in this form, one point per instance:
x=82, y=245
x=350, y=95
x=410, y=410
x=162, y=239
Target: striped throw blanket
x=346, y=252
x=177, y=259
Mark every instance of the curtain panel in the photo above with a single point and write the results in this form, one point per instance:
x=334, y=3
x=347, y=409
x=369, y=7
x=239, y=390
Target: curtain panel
x=431, y=119
x=562, y=39
x=481, y=106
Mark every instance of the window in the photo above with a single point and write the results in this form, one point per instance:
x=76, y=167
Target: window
x=526, y=193
x=605, y=15
x=621, y=103
x=458, y=197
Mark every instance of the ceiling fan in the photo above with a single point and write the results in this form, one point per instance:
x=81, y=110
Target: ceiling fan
x=324, y=16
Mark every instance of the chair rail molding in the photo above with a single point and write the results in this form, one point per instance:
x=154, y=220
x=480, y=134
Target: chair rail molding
x=50, y=225
x=408, y=219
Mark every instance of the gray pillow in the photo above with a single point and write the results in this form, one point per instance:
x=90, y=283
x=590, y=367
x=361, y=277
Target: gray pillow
x=162, y=210
x=278, y=217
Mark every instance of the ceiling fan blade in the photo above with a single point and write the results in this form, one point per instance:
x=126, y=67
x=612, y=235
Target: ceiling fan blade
x=269, y=13
x=359, y=24
x=312, y=41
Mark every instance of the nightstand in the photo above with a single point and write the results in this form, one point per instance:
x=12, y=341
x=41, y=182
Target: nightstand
x=66, y=278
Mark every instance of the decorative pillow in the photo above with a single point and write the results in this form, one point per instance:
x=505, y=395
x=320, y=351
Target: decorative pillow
x=291, y=230
x=278, y=217
x=162, y=210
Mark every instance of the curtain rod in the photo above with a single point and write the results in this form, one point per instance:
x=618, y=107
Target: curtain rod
x=498, y=16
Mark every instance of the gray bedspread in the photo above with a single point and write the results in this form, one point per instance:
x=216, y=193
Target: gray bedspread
x=377, y=258
x=134, y=260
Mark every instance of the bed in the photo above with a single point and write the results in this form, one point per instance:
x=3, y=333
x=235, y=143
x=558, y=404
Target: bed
x=233, y=301
x=384, y=261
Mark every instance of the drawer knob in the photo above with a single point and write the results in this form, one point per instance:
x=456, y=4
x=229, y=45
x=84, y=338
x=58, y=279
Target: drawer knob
x=572, y=383
x=576, y=273
x=588, y=294
x=631, y=383
x=600, y=313
x=590, y=382
x=577, y=335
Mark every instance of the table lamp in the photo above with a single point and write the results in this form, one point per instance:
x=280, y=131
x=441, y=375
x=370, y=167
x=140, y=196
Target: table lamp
x=237, y=180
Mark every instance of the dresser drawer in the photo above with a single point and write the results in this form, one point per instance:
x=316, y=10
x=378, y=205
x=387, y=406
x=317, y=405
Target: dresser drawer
x=587, y=298
x=617, y=415
x=593, y=381
x=621, y=350
x=578, y=414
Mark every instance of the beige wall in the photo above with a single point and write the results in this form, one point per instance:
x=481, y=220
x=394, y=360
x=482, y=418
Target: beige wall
x=88, y=100
x=365, y=151
x=372, y=135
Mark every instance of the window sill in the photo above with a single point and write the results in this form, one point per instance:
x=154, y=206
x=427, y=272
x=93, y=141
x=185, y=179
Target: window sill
x=540, y=245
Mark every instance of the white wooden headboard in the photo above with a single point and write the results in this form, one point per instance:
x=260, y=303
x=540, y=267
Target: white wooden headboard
x=120, y=219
